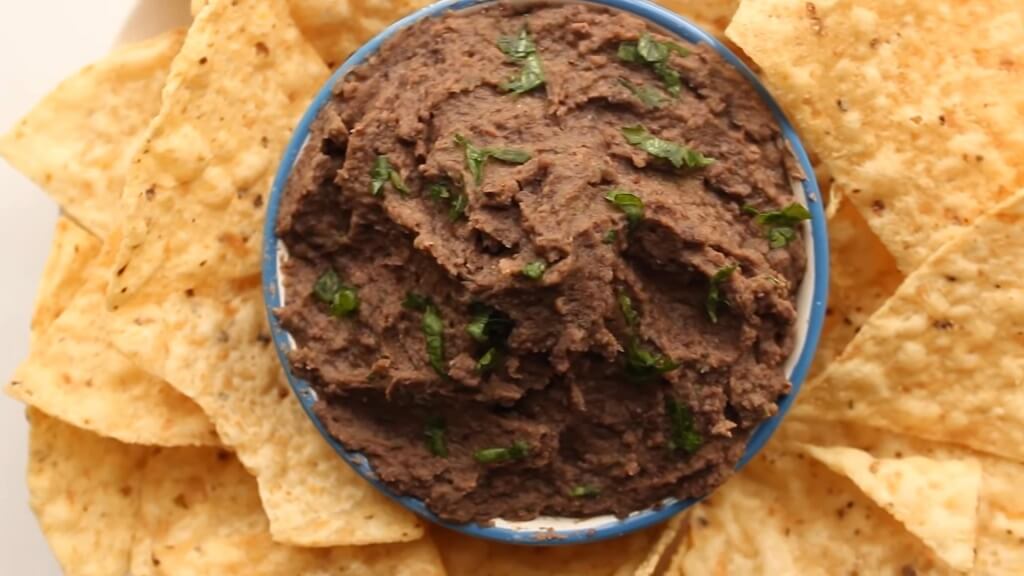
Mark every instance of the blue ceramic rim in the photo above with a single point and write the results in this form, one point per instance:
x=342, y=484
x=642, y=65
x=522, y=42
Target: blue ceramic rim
x=673, y=24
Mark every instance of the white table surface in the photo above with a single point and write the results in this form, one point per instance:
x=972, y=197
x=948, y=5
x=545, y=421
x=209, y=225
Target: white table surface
x=41, y=42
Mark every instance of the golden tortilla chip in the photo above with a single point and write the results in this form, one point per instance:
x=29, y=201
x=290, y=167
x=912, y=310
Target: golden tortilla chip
x=188, y=305
x=76, y=144
x=201, y=514
x=713, y=15
x=84, y=492
x=787, y=514
x=944, y=358
x=862, y=276
x=915, y=106
x=75, y=374
x=937, y=500
x=72, y=251
x=1000, y=510
x=635, y=555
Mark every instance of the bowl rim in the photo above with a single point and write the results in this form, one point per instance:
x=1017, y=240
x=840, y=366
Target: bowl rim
x=818, y=271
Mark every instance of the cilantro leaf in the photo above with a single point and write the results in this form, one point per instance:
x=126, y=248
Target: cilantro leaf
x=458, y=209
x=780, y=225
x=626, y=306
x=584, y=491
x=655, y=54
x=487, y=362
x=627, y=52
x=677, y=154
x=433, y=330
x=610, y=236
x=414, y=301
x=522, y=49
x=476, y=158
x=643, y=364
x=714, y=298
x=683, y=432
x=517, y=451
x=383, y=173
x=436, y=442
x=650, y=97
x=489, y=325
x=457, y=201
x=534, y=270
x=650, y=49
x=342, y=300
x=630, y=204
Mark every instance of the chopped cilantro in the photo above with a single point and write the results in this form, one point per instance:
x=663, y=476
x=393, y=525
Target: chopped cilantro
x=476, y=158
x=715, y=298
x=382, y=173
x=626, y=306
x=584, y=491
x=414, y=301
x=677, y=154
x=489, y=325
x=436, y=442
x=641, y=363
x=650, y=97
x=610, y=236
x=684, y=435
x=630, y=204
x=433, y=330
x=534, y=270
x=780, y=225
x=487, y=362
x=457, y=201
x=655, y=54
x=517, y=451
x=522, y=49
x=342, y=300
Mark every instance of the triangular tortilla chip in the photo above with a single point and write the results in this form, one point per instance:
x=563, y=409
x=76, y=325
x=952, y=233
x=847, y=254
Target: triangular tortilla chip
x=922, y=131
x=72, y=250
x=1000, y=542
x=77, y=142
x=75, y=374
x=944, y=358
x=937, y=500
x=787, y=514
x=200, y=514
x=84, y=490
x=186, y=286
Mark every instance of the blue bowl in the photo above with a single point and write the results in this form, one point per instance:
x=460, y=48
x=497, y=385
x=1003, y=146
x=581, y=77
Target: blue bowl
x=545, y=530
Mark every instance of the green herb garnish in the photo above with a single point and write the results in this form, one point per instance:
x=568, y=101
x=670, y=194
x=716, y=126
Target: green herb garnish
x=534, y=270
x=715, y=293
x=382, y=173
x=684, y=435
x=489, y=325
x=342, y=299
x=610, y=236
x=433, y=330
x=626, y=306
x=650, y=97
x=517, y=451
x=522, y=49
x=780, y=224
x=630, y=204
x=487, y=362
x=584, y=491
x=457, y=201
x=655, y=54
x=677, y=154
x=476, y=158
x=641, y=363
x=436, y=442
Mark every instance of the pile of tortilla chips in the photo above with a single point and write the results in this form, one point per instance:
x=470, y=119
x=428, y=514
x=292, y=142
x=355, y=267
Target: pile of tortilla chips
x=164, y=439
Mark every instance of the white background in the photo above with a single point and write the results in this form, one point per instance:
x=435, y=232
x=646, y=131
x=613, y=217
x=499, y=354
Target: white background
x=41, y=42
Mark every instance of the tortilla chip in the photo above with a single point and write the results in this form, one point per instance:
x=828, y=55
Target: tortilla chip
x=635, y=555
x=937, y=500
x=77, y=142
x=863, y=275
x=1001, y=507
x=713, y=15
x=84, y=492
x=944, y=358
x=787, y=514
x=201, y=514
x=188, y=305
x=74, y=374
x=887, y=93
x=72, y=251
